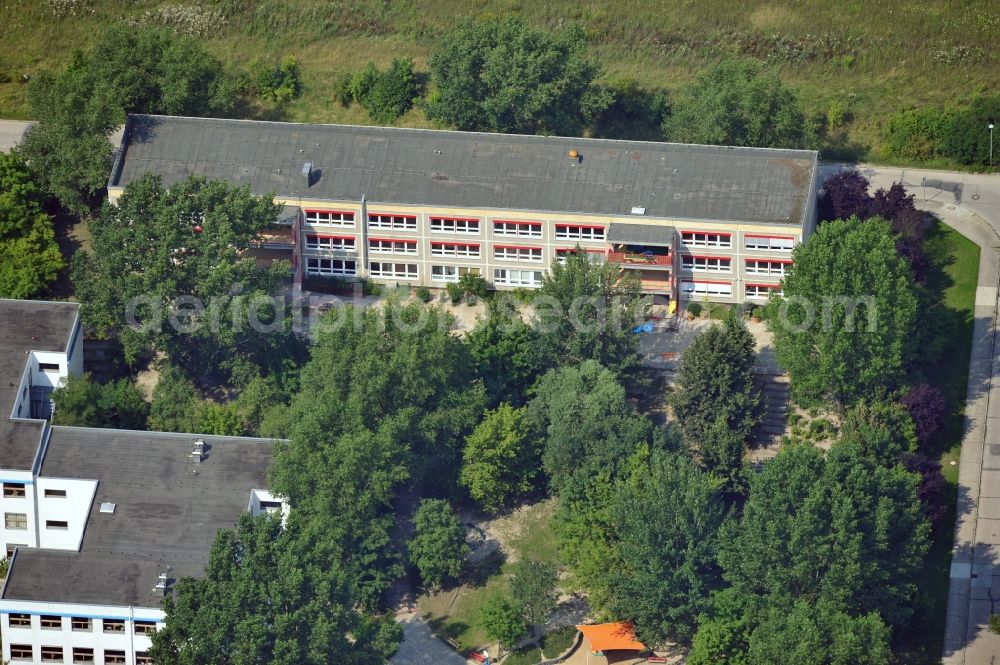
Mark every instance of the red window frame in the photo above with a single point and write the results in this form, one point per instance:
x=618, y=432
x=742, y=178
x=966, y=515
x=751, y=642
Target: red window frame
x=502, y=246
x=516, y=221
x=603, y=227
x=768, y=260
x=408, y=241
x=764, y=235
x=713, y=233
x=455, y=242
x=454, y=219
x=330, y=235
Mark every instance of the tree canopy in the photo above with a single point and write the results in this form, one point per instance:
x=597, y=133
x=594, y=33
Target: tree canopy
x=29, y=256
x=267, y=599
x=666, y=516
x=174, y=260
x=501, y=459
x=502, y=75
x=736, y=103
x=438, y=547
x=533, y=588
x=715, y=402
x=845, y=329
x=585, y=310
x=130, y=70
x=81, y=402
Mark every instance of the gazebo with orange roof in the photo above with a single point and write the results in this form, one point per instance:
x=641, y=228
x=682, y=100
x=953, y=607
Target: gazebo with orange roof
x=611, y=637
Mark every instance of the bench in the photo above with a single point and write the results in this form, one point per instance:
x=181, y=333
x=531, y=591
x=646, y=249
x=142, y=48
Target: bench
x=656, y=659
x=453, y=643
x=668, y=355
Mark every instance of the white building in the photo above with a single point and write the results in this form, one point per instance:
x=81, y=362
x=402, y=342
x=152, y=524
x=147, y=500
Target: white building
x=99, y=524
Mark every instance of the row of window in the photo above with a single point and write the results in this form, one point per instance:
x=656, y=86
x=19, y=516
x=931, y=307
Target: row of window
x=409, y=247
x=20, y=652
x=750, y=241
x=345, y=219
x=724, y=264
x=19, y=522
x=55, y=622
x=18, y=490
x=759, y=291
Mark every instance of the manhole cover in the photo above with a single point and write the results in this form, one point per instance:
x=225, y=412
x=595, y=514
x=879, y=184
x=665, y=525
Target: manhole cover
x=975, y=197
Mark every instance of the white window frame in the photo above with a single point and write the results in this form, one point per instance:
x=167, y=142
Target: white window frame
x=515, y=277
x=330, y=243
x=339, y=218
x=720, y=264
x=459, y=225
x=392, y=246
x=761, y=292
x=335, y=267
x=377, y=220
x=393, y=270
x=512, y=229
x=519, y=254
x=707, y=239
x=446, y=273
x=468, y=250
x=783, y=244
x=15, y=518
x=771, y=268
x=585, y=232
x=702, y=288
x=595, y=255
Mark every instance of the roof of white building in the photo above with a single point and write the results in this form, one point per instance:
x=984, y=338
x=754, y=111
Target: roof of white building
x=393, y=165
x=25, y=326
x=167, y=511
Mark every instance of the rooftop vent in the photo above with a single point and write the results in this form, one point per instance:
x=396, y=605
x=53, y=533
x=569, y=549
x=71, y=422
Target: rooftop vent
x=574, y=156
x=307, y=173
x=108, y=508
x=638, y=210
x=161, y=584
x=198, y=451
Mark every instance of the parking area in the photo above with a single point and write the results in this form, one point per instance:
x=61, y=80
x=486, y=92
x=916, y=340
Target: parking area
x=420, y=647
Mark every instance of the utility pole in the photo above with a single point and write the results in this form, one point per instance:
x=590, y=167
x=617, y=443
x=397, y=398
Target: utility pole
x=991, y=144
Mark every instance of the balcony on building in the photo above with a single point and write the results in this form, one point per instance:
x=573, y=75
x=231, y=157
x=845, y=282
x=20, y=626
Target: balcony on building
x=277, y=241
x=642, y=247
x=648, y=250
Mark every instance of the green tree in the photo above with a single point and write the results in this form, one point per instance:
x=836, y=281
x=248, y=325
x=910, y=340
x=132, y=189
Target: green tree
x=736, y=103
x=715, y=402
x=667, y=518
x=29, y=256
x=587, y=423
x=130, y=70
x=500, y=460
x=386, y=398
x=845, y=329
x=438, y=548
x=386, y=95
x=533, y=588
x=175, y=403
x=501, y=619
x=184, y=278
x=819, y=635
x=849, y=531
x=220, y=419
x=883, y=430
x=506, y=353
x=586, y=310
x=80, y=402
x=269, y=596
x=501, y=75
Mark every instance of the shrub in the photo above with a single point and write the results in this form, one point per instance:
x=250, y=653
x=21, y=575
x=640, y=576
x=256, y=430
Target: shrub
x=474, y=285
x=370, y=288
x=932, y=490
x=916, y=134
x=424, y=294
x=757, y=313
x=694, y=309
x=995, y=623
x=386, y=95
x=557, y=641
x=967, y=139
x=927, y=407
x=279, y=82
x=342, y=89
x=455, y=293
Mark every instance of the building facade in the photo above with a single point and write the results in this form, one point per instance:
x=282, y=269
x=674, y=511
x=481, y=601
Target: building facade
x=98, y=524
x=424, y=207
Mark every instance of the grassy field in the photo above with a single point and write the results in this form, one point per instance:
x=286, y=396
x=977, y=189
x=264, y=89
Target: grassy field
x=956, y=262
x=875, y=58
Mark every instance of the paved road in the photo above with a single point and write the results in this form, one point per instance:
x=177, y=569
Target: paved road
x=11, y=132
x=971, y=205
x=420, y=647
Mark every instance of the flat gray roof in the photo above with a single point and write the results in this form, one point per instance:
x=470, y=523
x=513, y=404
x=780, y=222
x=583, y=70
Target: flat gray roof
x=26, y=325
x=474, y=170
x=641, y=234
x=167, y=511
